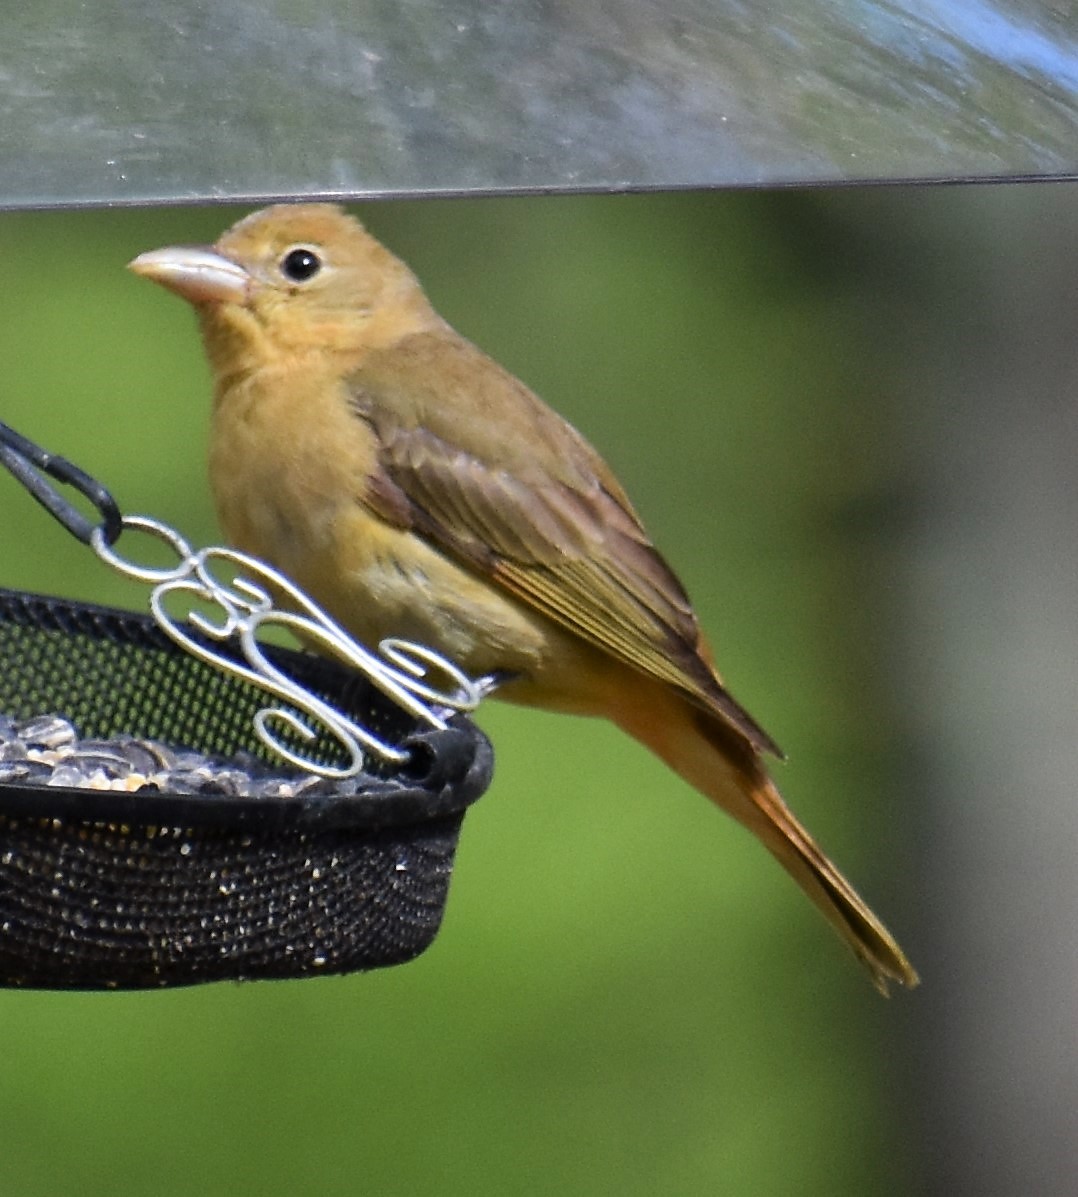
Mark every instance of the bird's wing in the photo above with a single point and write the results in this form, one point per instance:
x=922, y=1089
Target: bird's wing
x=562, y=538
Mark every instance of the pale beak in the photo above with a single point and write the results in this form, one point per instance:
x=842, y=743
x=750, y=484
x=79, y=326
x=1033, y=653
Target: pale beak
x=197, y=272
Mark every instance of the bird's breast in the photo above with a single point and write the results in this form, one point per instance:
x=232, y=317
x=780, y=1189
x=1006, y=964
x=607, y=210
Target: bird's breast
x=285, y=458
x=290, y=467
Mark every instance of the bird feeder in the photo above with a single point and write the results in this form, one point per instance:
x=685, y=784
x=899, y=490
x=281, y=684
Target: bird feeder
x=161, y=825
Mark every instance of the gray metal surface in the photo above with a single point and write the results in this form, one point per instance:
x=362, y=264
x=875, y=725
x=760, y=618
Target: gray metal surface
x=121, y=101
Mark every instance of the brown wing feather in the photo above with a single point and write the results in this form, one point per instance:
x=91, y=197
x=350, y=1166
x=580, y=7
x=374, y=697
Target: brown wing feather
x=561, y=539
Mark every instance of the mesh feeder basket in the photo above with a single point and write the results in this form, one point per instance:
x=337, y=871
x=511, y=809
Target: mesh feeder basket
x=161, y=826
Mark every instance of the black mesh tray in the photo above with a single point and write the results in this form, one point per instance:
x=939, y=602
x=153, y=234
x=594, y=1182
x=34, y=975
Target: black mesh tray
x=116, y=890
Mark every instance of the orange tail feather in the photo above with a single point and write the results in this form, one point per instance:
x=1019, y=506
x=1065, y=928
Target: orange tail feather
x=720, y=764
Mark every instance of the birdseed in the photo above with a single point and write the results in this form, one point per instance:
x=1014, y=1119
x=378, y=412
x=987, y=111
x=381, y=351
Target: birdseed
x=46, y=751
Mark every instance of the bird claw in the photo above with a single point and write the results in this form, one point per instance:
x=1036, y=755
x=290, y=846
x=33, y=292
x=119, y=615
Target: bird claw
x=485, y=686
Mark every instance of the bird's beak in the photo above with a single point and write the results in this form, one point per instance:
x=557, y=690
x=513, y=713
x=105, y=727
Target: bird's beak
x=198, y=273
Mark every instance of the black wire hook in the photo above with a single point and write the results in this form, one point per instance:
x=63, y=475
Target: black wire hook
x=24, y=459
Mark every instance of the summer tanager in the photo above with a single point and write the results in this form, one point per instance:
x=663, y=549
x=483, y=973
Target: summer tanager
x=415, y=488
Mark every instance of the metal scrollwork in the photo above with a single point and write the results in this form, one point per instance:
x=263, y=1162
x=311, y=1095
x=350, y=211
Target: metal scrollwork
x=257, y=597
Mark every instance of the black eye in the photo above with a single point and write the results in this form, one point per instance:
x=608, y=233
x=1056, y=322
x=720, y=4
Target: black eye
x=300, y=264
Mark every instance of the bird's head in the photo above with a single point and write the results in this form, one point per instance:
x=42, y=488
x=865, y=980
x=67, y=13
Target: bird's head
x=290, y=277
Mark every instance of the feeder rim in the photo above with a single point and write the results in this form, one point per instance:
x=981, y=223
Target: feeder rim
x=384, y=802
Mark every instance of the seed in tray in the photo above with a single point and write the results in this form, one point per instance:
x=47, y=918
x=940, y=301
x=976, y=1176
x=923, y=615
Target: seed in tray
x=46, y=750
x=46, y=731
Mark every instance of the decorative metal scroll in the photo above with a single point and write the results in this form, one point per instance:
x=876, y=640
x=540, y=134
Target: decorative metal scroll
x=421, y=681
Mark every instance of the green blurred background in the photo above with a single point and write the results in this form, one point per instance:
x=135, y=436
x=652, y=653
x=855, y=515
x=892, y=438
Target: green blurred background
x=627, y=995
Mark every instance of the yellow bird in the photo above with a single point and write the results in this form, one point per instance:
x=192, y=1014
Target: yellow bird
x=415, y=488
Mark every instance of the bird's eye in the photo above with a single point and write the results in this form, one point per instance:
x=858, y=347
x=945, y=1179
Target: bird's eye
x=300, y=264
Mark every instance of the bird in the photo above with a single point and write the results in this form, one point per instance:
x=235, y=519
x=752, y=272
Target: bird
x=415, y=488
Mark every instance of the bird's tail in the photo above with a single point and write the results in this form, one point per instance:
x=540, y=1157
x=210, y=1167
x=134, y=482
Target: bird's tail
x=718, y=762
